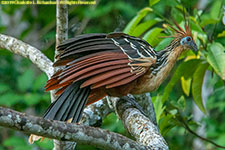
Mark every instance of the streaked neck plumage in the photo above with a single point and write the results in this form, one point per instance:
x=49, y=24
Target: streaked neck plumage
x=166, y=59
x=168, y=56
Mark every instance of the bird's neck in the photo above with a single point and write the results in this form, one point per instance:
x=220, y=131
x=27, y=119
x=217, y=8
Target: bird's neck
x=173, y=51
x=167, y=57
x=158, y=73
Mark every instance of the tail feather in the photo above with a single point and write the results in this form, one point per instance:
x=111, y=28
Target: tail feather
x=69, y=113
x=78, y=106
x=55, y=106
x=69, y=104
x=81, y=108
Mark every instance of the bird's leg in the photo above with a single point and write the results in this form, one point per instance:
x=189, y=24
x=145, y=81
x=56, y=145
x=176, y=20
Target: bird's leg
x=134, y=103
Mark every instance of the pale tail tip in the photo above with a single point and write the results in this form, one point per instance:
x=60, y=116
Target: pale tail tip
x=33, y=138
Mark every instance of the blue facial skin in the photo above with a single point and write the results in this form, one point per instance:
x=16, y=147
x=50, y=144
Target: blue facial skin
x=187, y=41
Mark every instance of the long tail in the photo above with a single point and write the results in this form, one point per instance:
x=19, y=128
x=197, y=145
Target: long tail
x=70, y=104
x=67, y=107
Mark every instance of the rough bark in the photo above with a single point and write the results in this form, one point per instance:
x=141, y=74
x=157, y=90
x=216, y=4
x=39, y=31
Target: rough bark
x=145, y=101
x=95, y=113
x=67, y=131
x=61, y=22
x=140, y=127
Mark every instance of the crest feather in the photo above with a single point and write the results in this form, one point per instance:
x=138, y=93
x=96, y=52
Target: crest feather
x=180, y=32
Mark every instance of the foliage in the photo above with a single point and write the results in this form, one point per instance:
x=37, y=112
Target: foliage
x=191, y=72
x=21, y=84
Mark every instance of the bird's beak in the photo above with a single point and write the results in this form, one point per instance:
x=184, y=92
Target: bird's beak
x=193, y=46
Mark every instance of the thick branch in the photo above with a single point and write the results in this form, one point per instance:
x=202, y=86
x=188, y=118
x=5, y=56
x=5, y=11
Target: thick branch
x=144, y=131
x=61, y=35
x=94, y=113
x=145, y=101
x=66, y=131
x=36, y=56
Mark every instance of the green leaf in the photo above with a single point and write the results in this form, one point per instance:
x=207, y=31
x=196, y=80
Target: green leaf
x=46, y=144
x=216, y=57
x=186, y=85
x=134, y=22
x=197, y=85
x=25, y=80
x=215, y=9
x=208, y=20
x=153, y=2
x=185, y=69
x=221, y=34
x=159, y=108
x=165, y=42
x=195, y=25
x=176, y=13
x=152, y=36
x=143, y=27
x=166, y=124
x=181, y=102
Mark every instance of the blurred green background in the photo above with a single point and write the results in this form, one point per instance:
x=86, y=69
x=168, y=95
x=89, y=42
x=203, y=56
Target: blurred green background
x=21, y=82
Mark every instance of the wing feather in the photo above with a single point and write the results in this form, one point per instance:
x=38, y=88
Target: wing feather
x=101, y=60
x=111, y=80
x=105, y=75
x=124, y=81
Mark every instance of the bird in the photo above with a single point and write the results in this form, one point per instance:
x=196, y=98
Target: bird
x=116, y=64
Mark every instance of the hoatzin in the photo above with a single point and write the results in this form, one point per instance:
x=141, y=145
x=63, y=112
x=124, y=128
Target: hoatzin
x=115, y=64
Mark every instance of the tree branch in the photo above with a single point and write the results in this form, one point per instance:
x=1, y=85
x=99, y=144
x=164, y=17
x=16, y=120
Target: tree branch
x=66, y=131
x=61, y=35
x=144, y=130
x=61, y=22
x=145, y=101
x=36, y=56
x=94, y=113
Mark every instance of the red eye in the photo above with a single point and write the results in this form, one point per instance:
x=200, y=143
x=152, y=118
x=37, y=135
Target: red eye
x=188, y=39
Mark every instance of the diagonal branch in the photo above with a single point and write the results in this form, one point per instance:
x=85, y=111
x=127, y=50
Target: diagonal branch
x=145, y=101
x=141, y=128
x=35, y=55
x=95, y=113
x=66, y=131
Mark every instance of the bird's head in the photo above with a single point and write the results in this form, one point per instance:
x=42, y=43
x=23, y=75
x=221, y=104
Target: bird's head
x=184, y=36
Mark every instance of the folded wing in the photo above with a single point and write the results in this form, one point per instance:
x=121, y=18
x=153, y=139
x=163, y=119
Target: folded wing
x=101, y=61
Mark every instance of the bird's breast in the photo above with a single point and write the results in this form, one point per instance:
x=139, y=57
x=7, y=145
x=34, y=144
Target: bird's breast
x=150, y=82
